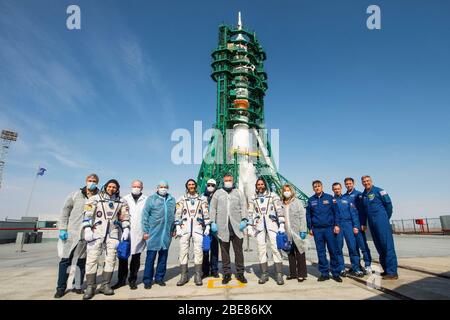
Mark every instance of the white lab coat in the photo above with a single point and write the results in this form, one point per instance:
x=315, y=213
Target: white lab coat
x=136, y=233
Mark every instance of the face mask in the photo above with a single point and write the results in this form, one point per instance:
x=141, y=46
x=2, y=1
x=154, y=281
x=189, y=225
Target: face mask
x=287, y=194
x=162, y=191
x=91, y=186
x=210, y=189
x=136, y=191
x=228, y=185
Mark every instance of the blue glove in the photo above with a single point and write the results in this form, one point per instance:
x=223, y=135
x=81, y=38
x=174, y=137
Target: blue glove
x=213, y=227
x=242, y=225
x=63, y=235
x=302, y=235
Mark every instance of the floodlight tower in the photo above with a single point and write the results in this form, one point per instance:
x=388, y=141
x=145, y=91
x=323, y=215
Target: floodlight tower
x=5, y=141
x=239, y=145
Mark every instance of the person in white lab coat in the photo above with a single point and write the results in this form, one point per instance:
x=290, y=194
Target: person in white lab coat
x=136, y=201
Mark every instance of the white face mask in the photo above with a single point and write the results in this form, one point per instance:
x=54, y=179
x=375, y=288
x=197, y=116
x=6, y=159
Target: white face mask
x=287, y=194
x=162, y=191
x=228, y=184
x=210, y=189
x=136, y=191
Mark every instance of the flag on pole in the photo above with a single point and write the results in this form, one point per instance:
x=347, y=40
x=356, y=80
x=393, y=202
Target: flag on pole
x=41, y=171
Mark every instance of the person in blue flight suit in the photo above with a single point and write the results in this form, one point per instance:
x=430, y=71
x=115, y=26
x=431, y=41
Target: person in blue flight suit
x=322, y=224
x=377, y=211
x=354, y=196
x=347, y=217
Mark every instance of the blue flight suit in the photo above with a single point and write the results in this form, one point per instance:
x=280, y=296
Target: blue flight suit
x=378, y=210
x=321, y=219
x=348, y=219
x=355, y=197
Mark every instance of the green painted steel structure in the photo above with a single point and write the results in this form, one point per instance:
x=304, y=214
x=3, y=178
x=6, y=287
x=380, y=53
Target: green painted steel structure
x=238, y=69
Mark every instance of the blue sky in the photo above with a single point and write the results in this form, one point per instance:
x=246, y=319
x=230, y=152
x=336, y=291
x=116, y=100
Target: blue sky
x=348, y=101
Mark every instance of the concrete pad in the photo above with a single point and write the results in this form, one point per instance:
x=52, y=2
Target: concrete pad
x=32, y=275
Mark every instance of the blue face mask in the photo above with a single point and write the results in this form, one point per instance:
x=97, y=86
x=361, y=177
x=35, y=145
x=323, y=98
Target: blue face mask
x=91, y=186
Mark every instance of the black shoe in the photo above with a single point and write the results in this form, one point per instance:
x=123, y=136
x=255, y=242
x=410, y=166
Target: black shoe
x=161, y=283
x=205, y=275
x=323, y=278
x=119, y=284
x=226, y=278
x=147, y=286
x=383, y=274
x=133, y=285
x=240, y=277
x=290, y=278
x=78, y=291
x=343, y=273
x=301, y=279
x=337, y=278
x=59, y=293
x=215, y=275
x=357, y=274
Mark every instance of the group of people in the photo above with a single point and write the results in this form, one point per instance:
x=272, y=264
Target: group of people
x=94, y=221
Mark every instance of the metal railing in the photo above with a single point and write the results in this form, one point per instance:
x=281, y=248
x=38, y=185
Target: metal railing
x=417, y=226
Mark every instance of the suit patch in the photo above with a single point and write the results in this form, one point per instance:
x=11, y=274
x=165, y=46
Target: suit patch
x=263, y=209
x=344, y=201
x=109, y=214
x=99, y=214
x=88, y=207
x=383, y=193
x=371, y=196
x=314, y=203
x=326, y=202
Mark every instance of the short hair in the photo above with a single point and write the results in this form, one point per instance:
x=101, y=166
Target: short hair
x=317, y=182
x=349, y=178
x=93, y=175
x=137, y=180
x=336, y=184
x=366, y=176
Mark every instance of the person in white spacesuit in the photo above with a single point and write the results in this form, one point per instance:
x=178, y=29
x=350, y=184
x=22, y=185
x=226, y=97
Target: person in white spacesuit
x=192, y=222
x=266, y=220
x=105, y=223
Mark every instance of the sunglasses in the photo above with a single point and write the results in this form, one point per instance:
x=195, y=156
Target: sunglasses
x=210, y=185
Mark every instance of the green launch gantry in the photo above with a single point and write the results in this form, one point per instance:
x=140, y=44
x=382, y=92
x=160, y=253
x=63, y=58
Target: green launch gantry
x=238, y=69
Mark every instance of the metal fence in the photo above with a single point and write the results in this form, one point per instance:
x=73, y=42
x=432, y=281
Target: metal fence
x=417, y=226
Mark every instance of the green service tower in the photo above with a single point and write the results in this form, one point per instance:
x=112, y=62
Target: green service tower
x=239, y=143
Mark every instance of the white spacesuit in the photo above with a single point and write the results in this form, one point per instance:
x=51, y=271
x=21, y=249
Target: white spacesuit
x=192, y=222
x=105, y=217
x=266, y=220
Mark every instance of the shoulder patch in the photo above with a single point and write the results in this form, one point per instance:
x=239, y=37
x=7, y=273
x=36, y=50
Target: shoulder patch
x=383, y=193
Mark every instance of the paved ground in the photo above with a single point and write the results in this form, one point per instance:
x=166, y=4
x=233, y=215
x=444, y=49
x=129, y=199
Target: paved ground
x=32, y=275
